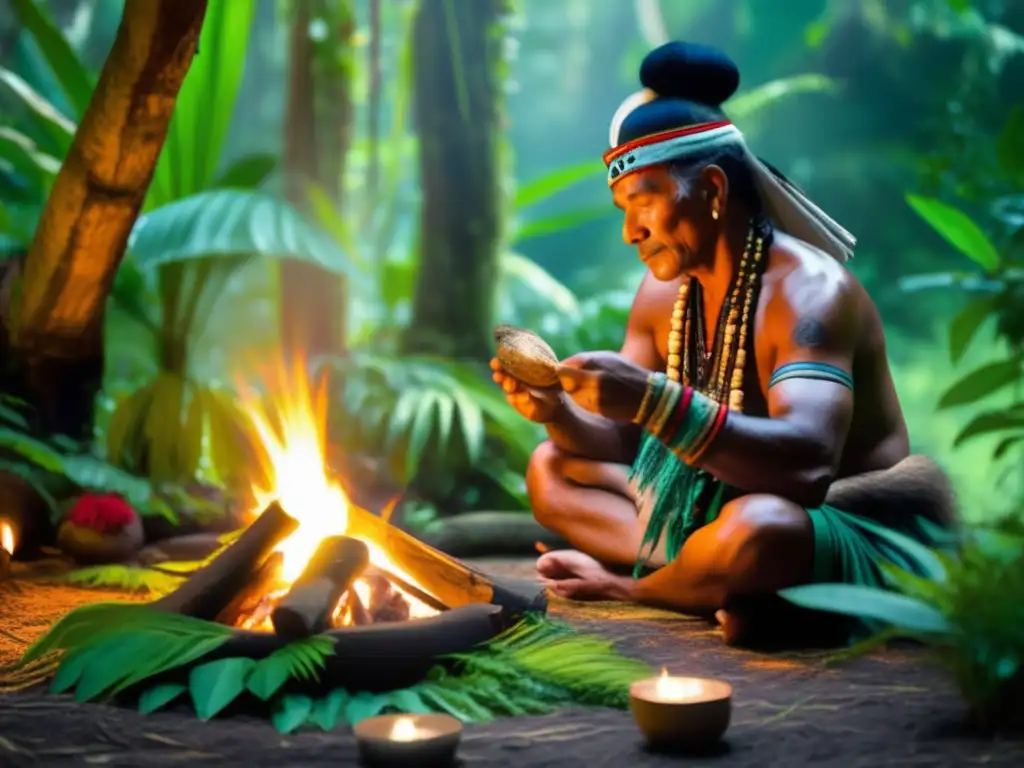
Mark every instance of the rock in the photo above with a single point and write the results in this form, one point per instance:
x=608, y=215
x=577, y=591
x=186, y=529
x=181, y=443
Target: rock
x=91, y=547
x=491, y=534
x=196, y=546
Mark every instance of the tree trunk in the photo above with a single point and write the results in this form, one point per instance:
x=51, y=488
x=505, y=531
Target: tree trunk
x=456, y=102
x=57, y=312
x=314, y=302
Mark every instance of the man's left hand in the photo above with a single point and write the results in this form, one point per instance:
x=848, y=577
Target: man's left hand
x=604, y=383
x=576, y=576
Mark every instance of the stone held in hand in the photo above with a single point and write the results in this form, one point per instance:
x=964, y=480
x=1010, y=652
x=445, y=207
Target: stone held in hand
x=526, y=356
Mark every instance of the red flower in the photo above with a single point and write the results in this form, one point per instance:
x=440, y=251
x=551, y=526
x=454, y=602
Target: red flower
x=101, y=512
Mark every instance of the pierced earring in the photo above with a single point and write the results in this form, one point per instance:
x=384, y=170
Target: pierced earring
x=714, y=214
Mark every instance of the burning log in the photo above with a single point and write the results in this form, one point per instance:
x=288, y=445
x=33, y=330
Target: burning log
x=452, y=583
x=246, y=603
x=309, y=604
x=211, y=589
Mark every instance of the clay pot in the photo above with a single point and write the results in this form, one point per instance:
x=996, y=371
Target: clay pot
x=88, y=546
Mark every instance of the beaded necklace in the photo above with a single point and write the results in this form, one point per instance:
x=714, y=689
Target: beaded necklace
x=688, y=361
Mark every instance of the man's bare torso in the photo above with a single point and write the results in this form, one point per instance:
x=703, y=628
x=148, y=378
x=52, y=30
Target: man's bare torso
x=795, y=277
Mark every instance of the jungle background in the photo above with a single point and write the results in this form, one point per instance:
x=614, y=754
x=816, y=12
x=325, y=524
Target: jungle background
x=376, y=183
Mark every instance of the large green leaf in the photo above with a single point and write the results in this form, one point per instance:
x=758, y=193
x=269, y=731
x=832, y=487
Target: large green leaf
x=552, y=183
x=965, y=325
x=957, y=228
x=982, y=382
x=205, y=104
x=73, y=78
x=216, y=684
x=231, y=222
x=900, y=611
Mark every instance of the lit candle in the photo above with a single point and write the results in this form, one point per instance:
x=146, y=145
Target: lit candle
x=679, y=712
x=6, y=548
x=408, y=740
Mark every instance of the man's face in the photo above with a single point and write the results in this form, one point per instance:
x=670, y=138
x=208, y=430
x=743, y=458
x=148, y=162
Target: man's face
x=664, y=220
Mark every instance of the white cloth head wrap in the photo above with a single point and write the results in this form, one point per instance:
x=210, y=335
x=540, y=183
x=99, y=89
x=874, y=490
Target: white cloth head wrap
x=787, y=206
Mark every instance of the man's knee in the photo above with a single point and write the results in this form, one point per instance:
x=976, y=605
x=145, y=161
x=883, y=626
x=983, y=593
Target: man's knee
x=768, y=543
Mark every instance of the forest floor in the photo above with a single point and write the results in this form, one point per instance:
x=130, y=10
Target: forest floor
x=789, y=710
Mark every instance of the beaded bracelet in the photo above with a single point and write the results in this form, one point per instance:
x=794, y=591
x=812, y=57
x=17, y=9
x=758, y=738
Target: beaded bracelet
x=652, y=393
x=685, y=420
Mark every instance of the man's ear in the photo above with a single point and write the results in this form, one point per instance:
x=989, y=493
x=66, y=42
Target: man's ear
x=715, y=185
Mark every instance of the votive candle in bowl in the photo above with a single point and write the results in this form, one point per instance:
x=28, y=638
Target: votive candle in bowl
x=681, y=712
x=391, y=741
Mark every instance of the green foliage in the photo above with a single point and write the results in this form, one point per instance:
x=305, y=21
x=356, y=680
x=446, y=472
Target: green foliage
x=127, y=578
x=192, y=153
x=58, y=467
x=300, y=660
x=1001, y=287
x=958, y=230
x=433, y=419
x=970, y=616
x=535, y=667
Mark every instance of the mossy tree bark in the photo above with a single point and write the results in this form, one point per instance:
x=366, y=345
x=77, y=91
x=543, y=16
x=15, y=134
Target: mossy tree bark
x=456, y=100
x=318, y=127
x=57, y=310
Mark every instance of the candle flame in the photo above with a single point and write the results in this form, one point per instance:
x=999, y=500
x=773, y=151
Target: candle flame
x=405, y=729
x=677, y=688
x=6, y=537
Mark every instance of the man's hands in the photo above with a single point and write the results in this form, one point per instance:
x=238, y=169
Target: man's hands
x=537, y=405
x=605, y=383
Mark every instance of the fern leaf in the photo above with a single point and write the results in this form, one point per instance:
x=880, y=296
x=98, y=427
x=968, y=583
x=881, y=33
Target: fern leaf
x=303, y=659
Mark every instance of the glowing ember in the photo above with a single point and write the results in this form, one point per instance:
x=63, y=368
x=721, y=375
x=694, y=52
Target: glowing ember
x=677, y=689
x=293, y=433
x=6, y=537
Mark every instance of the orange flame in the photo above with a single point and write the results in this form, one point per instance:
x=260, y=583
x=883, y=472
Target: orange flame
x=292, y=427
x=6, y=537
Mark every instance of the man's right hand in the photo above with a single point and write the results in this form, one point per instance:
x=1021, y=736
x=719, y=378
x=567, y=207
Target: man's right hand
x=537, y=405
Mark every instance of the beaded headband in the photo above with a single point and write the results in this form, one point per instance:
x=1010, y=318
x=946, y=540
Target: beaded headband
x=786, y=205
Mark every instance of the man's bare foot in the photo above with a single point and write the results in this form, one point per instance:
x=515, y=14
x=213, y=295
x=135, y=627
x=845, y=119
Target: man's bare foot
x=576, y=576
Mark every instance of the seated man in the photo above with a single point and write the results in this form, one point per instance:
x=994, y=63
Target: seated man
x=752, y=397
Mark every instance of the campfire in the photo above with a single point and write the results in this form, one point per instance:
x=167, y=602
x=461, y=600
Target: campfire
x=363, y=584
x=310, y=561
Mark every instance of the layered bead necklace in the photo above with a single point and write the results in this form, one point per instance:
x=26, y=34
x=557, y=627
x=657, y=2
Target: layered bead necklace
x=718, y=372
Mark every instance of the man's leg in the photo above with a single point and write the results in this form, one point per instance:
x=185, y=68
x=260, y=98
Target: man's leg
x=587, y=503
x=732, y=568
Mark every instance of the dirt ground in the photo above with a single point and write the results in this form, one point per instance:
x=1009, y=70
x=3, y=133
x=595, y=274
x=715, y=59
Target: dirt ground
x=890, y=709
